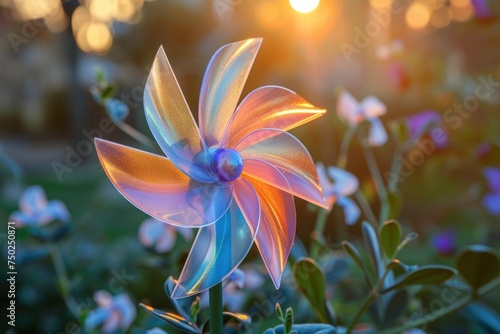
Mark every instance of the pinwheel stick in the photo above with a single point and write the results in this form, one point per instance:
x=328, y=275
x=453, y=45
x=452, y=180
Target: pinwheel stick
x=215, y=295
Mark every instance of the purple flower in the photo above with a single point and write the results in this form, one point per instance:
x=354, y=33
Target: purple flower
x=427, y=122
x=492, y=199
x=482, y=9
x=444, y=243
x=113, y=314
x=35, y=210
x=160, y=237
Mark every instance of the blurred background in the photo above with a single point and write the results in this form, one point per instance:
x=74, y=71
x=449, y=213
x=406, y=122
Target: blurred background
x=413, y=55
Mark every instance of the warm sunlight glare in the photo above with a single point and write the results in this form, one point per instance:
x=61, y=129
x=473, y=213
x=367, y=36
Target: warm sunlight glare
x=304, y=6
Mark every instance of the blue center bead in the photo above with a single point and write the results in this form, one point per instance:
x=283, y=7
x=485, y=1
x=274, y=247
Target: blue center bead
x=226, y=164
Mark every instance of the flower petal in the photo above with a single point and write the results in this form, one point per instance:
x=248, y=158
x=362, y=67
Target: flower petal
x=492, y=175
x=327, y=186
x=157, y=187
x=269, y=107
x=492, y=202
x=351, y=210
x=286, y=153
x=171, y=121
x=377, y=135
x=278, y=221
x=348, y=109
x=222, y=84
x=372, y=107
x=33, y=199
x=157, y=235
x=219, y=248
x=344, y=183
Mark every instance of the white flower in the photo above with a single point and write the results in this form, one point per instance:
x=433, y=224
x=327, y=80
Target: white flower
x=159, y=236
x=370, y=109
x=344, y=184
x=35, y=210
x=113, y=314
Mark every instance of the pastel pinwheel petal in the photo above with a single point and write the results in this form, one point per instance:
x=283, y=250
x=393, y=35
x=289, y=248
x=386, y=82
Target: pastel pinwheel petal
x=344, y=183
x=221, y=88
x=377, y=135
x=492, y=202
x=157, y=187
x=372, y=107
x=286, y=153
x=269, y=107
x=493, y=177
x=171, y=121
x=217, y=250
x=277, y=224
x=351, y=210
x=348, y=109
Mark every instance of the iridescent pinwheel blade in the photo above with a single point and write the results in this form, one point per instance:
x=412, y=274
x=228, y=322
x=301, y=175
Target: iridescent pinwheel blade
x=344, y=183
x=269, y=107
x=277, y=221
x=221, y=88
x=218, y=249
x=289, y=156
x=171, y=121
x=157, y=187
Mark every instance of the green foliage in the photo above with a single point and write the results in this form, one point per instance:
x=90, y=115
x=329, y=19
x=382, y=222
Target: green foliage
x=479, y=265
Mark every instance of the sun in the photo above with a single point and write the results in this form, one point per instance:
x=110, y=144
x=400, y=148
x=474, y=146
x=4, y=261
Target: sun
x=304, y=6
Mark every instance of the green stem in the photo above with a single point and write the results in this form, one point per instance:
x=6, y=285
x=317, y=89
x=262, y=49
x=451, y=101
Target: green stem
x=367, y=210
x=369, y=299
x=393, y=181
x=62, y=277
x=346, y=140
x=430, y=317
x=379, y=183
x=321, y=220
x=215, y=296
x=135, y=134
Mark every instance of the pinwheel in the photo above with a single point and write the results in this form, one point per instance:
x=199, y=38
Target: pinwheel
x=344, y=184
x=234, y=177
x=370, y=109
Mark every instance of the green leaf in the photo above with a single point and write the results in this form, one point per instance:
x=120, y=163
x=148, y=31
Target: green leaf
x=173, y=319
x=356, y=257
x=371, y=241
x=108, y=92
x=430, y=274
x=395, y=200
x=408, y=238
x=288, y=320
x=311, y=282
x=479, y=265
x=279, y=312
x=304, y=329
x=396, y=307
x=390, y=237
x=319, y=246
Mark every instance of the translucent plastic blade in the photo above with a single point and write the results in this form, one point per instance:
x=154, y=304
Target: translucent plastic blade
x=157, y=187
x=171, y=121
x=270, y=107
x=221, y=88
x=289, y=156
x=277, y=222
x=344, y=183
x=373, y=107
x=218, y=249
x=348, y=109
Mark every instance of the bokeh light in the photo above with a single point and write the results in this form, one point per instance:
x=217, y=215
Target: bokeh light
x=380, y=3
x=418, y=15
x=304, y=6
